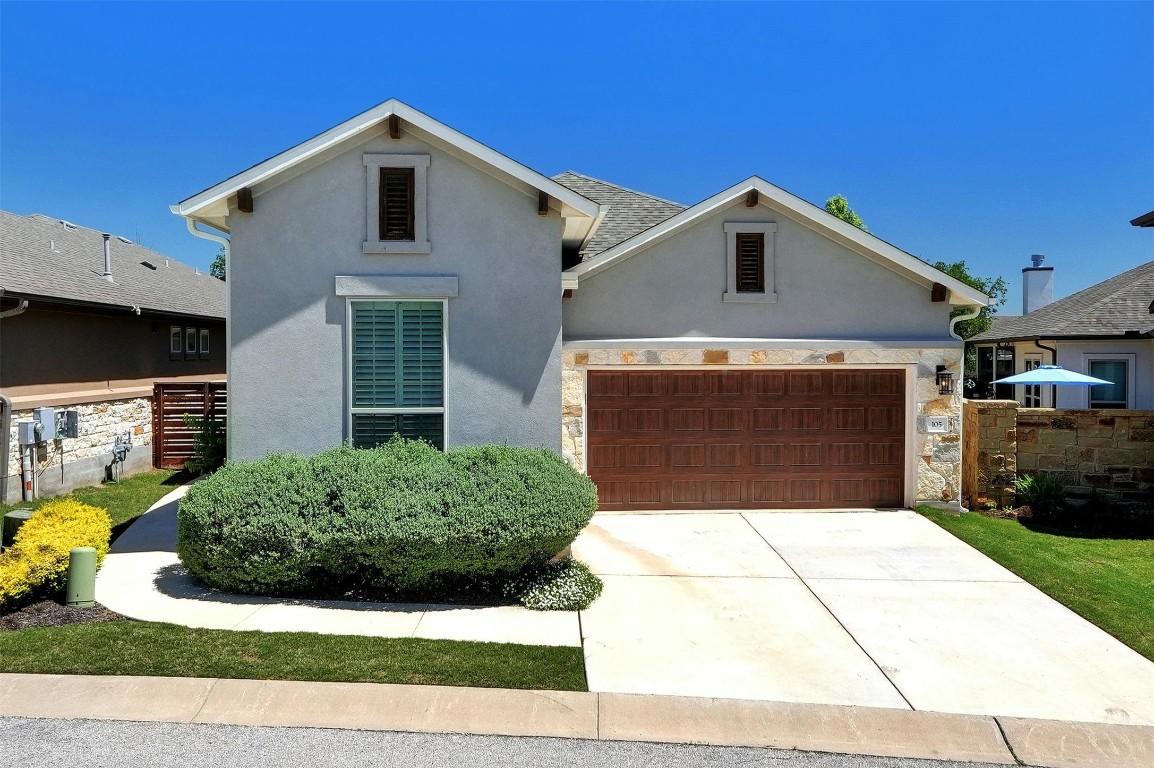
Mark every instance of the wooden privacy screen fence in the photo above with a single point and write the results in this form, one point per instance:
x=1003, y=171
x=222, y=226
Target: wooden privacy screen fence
x=172, y=439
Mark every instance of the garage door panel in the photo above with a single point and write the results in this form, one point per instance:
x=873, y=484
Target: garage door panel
x=709, y=439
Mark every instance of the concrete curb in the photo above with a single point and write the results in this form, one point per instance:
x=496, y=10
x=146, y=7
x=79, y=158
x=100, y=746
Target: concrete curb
x=564, y=714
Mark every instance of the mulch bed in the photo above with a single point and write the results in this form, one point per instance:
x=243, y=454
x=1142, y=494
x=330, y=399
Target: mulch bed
x=49, y=613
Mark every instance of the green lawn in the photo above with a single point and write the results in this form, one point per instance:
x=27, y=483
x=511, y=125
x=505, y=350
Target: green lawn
x=1108, y=581
x=126, y=500
x=141, y=648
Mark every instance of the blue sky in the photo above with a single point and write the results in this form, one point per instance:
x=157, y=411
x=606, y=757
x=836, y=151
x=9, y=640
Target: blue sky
x=983, y=132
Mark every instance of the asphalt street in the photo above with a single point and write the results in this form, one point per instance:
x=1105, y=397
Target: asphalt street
x=94, y=744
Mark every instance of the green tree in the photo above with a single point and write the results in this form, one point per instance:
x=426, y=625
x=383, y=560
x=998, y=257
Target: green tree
x=839, y=207
x=217, y=268
x=994, y=287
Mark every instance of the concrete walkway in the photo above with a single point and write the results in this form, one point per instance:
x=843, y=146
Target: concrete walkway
x=601, y=716
x=874, y=609
x=142, y=578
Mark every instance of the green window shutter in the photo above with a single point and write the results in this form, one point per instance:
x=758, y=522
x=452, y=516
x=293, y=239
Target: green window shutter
x=374, y=343
x=421, y=369
x=373, y=429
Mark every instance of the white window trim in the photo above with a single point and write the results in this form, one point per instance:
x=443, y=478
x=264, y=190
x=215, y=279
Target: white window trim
x=374, y=162
x=1043, y=390
x=203, y=345
x=348, y=341
x=1129, y=358
x=177, y=351
x=768, y=230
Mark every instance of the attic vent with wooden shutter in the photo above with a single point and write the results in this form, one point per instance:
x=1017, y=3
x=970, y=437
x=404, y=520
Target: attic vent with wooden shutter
x=397, y=204
x=750, y=262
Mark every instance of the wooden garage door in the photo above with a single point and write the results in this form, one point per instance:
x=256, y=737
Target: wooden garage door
x=747, y=439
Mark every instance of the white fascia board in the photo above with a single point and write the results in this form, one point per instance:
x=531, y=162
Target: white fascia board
x=570, y=200
x=960, y=293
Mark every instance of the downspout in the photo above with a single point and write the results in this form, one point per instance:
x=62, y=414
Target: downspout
x=6, y=417
x=227, y=245
x=1053, y=361
x=6, y=425
x=16, y=310
x=964, y=316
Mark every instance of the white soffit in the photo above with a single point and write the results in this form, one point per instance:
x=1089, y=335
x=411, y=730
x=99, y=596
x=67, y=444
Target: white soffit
x=806, y=213
x=211, y=205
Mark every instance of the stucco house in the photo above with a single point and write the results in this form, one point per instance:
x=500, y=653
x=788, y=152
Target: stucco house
x=394, y=275
x=1106, y=331
x=89, y=320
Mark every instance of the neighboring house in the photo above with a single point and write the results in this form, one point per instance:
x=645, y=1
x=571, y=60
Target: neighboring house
x=89, y=321
x=393, y=275
x=1106, y=331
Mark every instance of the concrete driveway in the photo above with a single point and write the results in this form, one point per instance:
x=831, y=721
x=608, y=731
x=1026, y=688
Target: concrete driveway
x=880, y=609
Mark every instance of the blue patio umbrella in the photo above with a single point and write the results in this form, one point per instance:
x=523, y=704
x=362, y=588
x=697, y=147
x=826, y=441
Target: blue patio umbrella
x=1052, y=374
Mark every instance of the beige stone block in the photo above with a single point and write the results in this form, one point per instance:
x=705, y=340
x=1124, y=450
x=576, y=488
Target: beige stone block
x=835, y=357
x=739, y=357
x=716, y=357
x=1060, y=744
x=861, y=356
x=368, y=706
x=779, y=357
x=581, y=358
x=813, y=727
x=939, y=406
x=757, y=357
x=572, y=388
x=598, y=357
x=1057, y=437
x=1027, y=461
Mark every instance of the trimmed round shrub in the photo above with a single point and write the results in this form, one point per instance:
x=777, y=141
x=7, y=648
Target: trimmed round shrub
x=403, y=518
x=37, y=563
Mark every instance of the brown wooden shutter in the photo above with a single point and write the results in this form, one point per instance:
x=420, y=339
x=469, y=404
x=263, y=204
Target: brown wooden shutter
x=397, y=209
x=750, y=262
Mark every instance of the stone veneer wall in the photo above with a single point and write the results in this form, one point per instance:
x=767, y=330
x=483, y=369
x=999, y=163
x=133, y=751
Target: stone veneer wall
x=938, y=457
x=1109, y=451
x=85, y=457
x=990, y=452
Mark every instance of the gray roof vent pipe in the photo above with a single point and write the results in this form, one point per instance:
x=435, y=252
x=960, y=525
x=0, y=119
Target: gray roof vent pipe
x=107, y=273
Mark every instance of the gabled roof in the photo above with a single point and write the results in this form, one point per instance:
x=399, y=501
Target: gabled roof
x=1145, y=220
x=805, y=213
x=1120, y=306
x=211, y=205
x=625, y=212
x=48, y=258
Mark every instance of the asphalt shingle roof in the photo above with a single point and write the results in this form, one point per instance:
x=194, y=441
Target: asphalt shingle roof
x=1111, y=308
x=629, y=212
x=41, y=256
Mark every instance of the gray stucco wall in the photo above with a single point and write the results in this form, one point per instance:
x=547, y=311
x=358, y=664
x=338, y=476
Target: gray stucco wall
x=825, y=291
x=1075, y=356
x=287, y=377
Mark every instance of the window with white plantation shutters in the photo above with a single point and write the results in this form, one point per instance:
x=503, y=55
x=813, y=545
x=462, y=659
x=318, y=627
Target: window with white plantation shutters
x=397, y=375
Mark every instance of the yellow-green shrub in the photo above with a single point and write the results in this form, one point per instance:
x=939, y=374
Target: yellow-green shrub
x=37, y=563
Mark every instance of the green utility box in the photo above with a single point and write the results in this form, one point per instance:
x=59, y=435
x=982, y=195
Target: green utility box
x=12, y=522
x=81, y=589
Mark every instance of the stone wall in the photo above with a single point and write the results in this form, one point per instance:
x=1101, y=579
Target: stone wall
x=990, y=465
x=84, y=459
x=1105, y=451
x=938, y=457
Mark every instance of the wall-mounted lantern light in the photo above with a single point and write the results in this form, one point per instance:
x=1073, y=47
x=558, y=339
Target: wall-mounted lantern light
x=945, y=381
